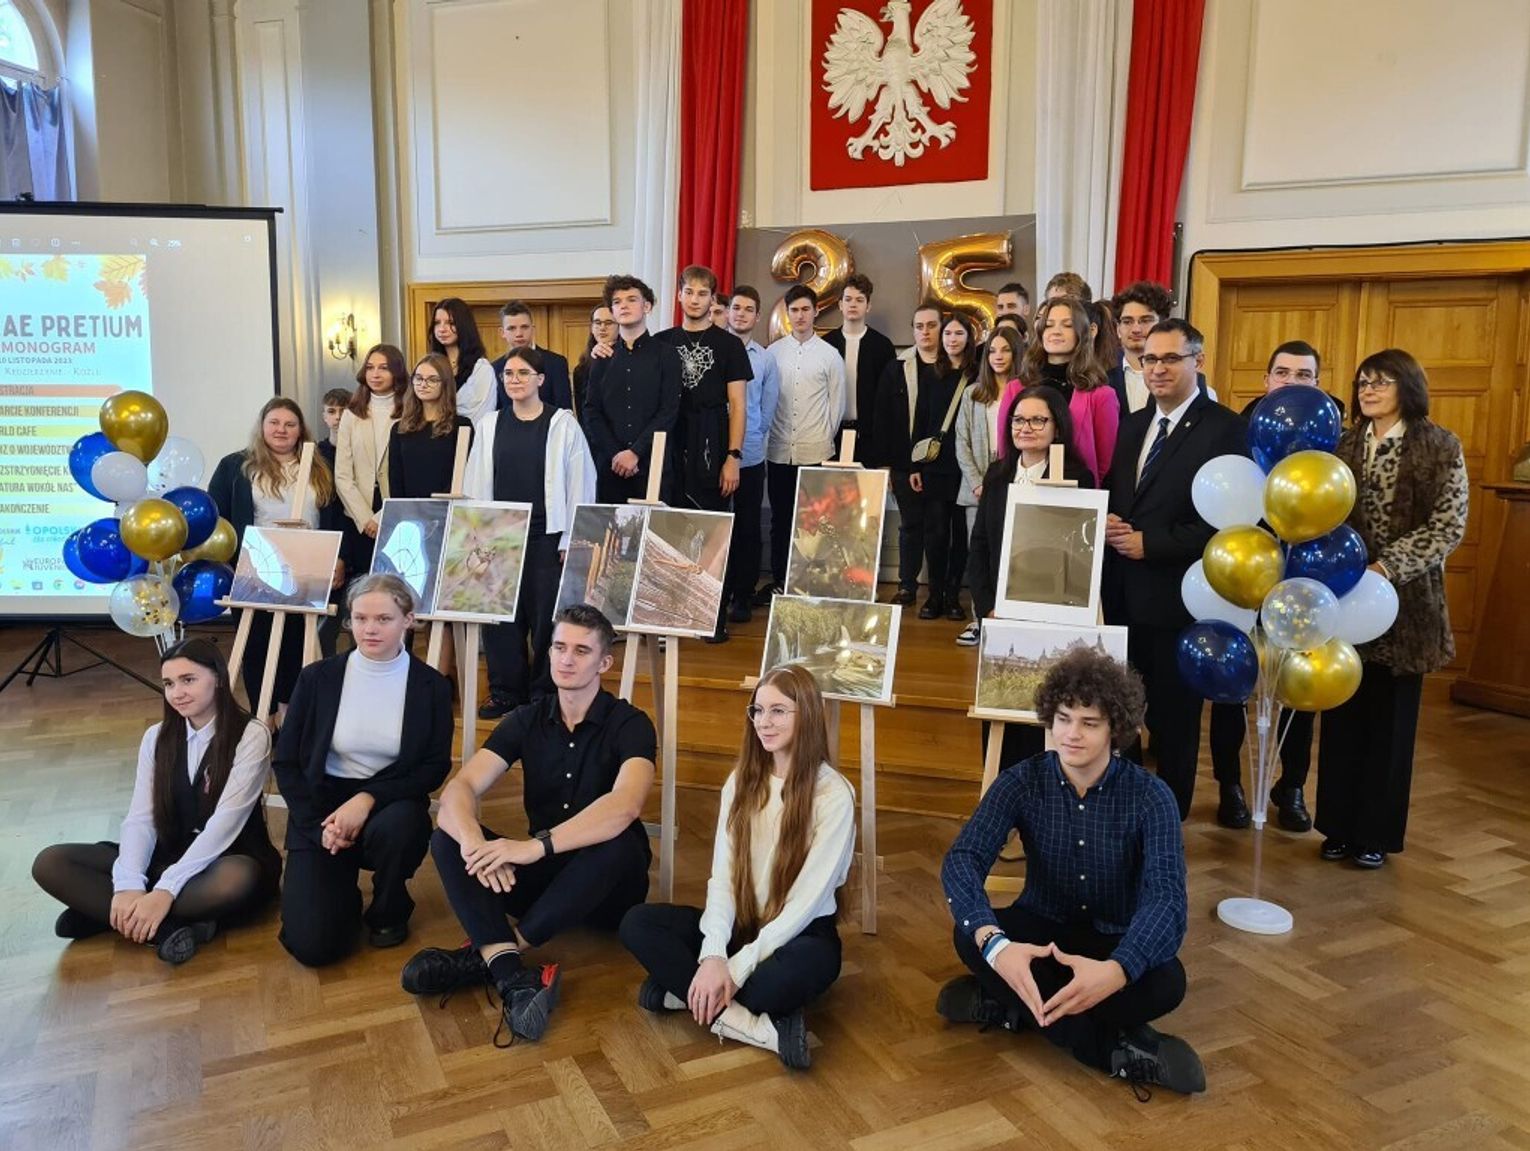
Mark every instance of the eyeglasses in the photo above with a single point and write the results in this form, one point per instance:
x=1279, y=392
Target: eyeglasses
x=421, y=378
x=1030, y=423
x=1376, y=384
x=776, y=713
x=1172, y=360
x=1301, y=375
x=520, y=374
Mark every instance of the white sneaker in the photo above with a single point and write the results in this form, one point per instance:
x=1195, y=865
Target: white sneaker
x=969, y=636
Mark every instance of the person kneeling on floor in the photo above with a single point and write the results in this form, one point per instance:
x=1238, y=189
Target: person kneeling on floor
x=1087, y=954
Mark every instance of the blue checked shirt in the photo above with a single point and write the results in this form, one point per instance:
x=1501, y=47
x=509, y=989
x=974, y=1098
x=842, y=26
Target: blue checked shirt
x=1113, y=859
x=761, y=395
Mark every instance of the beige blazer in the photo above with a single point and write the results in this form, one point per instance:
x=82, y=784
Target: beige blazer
x=359, y=467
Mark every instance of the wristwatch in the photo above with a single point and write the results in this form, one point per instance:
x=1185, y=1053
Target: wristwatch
x=545, y=838
x=735, y=453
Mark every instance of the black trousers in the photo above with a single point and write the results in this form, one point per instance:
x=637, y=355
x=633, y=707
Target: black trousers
x=289, y=658
x=516, y=652
x=945, y=546
x=321, y=903
x=910, y=533
x=1021, y=741
x=1091, y=1036
x=1173, y=710
x=1365, y=761
x=781, y=486
x=1227, y=739
x=594, y=886
x=744, y=551
x=666, y=939
x=611, y=488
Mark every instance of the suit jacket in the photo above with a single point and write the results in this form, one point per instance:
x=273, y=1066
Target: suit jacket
x=985, y=547
x=875, y=353
x=556, y=388
x=424, y=752
x=1145, y=592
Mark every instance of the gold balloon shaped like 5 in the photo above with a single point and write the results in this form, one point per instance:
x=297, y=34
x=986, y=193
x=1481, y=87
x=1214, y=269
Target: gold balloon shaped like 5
x=222, y=546
x=829, y=258
x=136, y=423
x=153, y=529
x=1243, y=563
x=943, y=263
x=1320, y=679
x=1307, y=495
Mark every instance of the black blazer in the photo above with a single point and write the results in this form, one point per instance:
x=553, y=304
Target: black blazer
x=556, y=388
x=986, y=546
x=875, y=353
x=424, y=753
x=231, y=491
x=1145, y=592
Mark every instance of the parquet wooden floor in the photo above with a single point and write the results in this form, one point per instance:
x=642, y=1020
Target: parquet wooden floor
x=1396, y=1015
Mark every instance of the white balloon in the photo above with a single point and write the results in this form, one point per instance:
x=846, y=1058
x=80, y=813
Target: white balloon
x=1229, y=490
x=120, y=477
x=1368, y=610
x=179, y=464
x=1203, y=603
x=1300, y=614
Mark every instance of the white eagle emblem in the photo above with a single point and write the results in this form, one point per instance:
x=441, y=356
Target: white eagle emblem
x=857, y=65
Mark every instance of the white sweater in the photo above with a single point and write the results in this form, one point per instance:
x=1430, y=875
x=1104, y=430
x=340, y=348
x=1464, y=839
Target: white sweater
x=369, y=726
x=830, y=846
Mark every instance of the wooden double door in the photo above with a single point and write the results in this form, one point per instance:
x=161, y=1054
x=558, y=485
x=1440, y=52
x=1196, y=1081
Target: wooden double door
x=1463, y=310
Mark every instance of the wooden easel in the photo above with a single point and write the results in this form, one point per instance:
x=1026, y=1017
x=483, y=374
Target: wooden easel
x=437, y=626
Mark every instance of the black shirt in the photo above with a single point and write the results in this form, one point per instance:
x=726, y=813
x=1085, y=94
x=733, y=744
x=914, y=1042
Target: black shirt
x=1056, y=376
x=520, y=462
x=629, y=396
x=709, y=360
x=420, y=464
x=565, y=771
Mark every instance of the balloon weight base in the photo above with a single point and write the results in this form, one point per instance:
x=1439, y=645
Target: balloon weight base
x=1255, y=915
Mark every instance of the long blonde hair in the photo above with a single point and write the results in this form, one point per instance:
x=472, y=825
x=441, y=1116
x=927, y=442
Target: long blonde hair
x=751, y=791
x=266, y=472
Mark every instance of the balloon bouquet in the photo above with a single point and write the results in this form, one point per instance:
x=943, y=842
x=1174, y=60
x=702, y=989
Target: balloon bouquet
x=166, y=548
x=1279, y=611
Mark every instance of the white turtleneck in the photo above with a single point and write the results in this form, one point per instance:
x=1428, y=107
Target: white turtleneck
x=370, y=724
x=380, y=418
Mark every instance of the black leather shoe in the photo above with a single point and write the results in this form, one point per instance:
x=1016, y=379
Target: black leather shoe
x=956, y=612
x=1232, y=809
x=718, y=636
x=906, y=596
x=1333, y=850
x=390, y=936
x=932, y=609
x=1290, y=808
x=1370, y=860
x=741, y=612
x=495, y=707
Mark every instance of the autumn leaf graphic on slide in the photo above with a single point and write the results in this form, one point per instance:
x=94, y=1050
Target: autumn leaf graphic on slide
x=118, y=275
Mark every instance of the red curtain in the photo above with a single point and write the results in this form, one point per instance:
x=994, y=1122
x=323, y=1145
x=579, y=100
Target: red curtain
x=1160, y=101
x=714, y=55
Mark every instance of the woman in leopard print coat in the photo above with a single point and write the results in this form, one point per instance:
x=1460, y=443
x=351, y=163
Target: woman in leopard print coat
x=1411, y=512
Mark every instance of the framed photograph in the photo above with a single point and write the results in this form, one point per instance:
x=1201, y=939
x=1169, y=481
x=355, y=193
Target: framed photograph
x=601, y=568
x=1014, y=656
x=837, y=533
x=1053, y=553
x=481, y=563
x=285, y=567
x=410, y=537
x=680, y=572
x=849, y=646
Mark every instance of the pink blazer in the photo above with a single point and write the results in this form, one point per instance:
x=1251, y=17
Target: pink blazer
x=1096, y=421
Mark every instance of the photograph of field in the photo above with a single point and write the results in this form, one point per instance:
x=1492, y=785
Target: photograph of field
x=601, y=568
x=1014, y=656
x=837, y=533
x=481, y=565
x=850, y=647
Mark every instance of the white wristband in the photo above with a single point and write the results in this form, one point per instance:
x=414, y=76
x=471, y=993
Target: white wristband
x=995, y=952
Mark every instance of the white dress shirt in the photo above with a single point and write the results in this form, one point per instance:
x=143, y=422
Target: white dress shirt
x=270, y=509
x=369, y=726
x=852, y=355
x=812, y=401
x=1137, y=394
x=1152, y=433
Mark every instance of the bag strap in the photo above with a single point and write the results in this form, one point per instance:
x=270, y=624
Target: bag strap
x=956, y=400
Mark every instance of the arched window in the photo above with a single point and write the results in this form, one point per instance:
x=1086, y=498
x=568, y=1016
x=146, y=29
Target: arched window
x=20, y=54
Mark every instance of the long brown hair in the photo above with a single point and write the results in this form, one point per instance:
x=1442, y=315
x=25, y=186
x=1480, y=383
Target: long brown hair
x=361, y=399
x=1084, y=369
x=966, y=367
x=751, y=791
x=263, y=468
x=413, y=418
x=229, y=724
x=989, y=386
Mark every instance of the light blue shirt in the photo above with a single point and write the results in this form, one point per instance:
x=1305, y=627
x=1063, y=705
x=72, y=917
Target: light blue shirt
x=761, y=395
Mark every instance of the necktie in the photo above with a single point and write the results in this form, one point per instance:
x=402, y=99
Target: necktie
x=1156, y=449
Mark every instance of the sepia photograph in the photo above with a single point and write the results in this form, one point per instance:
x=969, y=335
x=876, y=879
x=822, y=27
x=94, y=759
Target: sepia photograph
x=410, y=537
x=1052, y=555
x=1014, y=656
x=481, y=563
x=680, y=572
x=288, y=567
x=601, y=568
x=849, y=646
x=837, y=533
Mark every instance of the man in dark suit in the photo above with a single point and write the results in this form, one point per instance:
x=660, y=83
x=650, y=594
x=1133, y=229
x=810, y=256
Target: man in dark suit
x=1154, y=534
x=866, y=353
x=520, y=331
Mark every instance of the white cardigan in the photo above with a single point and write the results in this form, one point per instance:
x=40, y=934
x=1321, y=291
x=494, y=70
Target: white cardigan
x=359, y=467
x=477, y=397
x=569, y=471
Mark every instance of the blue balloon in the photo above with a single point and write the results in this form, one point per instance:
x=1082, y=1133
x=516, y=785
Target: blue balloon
x=104, y=555
x=1336, y=560
x=75, y=564
x=201, y=584
x=1217, y=661
x=1296, y=418
x=83, y=456
x=200, y=512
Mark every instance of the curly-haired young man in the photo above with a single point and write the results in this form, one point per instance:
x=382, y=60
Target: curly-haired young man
x=1087, y=954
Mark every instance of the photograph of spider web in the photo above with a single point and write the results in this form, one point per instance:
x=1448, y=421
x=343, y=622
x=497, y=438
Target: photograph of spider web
x=601, y=568
x=680, y=572
x=481, y=562
x=286, y=567
x=410, y=536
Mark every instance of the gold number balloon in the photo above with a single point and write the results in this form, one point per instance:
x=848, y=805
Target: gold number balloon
x=153, y=529
x=136, y=423
x=1320, y=679
x=1243, y=563
x=221, y=546
x=943, y=263
x=829, y=258
x=1307, y=495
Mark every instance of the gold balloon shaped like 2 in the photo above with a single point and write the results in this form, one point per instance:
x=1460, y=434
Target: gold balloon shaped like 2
x=1320, y=679
x=136, y=423
x=829, y=258
x=943, y=263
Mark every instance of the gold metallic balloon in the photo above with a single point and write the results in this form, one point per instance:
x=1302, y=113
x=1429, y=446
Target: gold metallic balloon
x=153, y=529
x=829, y=258
x=136, y=423
x=1243, y=563
x=1307, y=495
x=1320, y=679
x=221, y=547
x=943, y=263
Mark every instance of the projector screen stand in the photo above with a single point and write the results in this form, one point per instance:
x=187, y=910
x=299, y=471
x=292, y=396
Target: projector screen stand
x=47, y=660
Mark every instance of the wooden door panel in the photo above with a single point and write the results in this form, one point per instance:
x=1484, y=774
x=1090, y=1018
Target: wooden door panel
x=1263, y=316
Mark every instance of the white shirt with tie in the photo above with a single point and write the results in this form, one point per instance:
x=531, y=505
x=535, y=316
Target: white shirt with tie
x=1160, y=415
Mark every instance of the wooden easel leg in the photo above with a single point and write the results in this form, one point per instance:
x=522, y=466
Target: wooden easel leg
x=869, y=858
x=629, y=667
x=433, y=648
x=268, y=677
x=469, y=691
x=666, y=696
x=310, y=639
x=991, y=756
x=236, y=653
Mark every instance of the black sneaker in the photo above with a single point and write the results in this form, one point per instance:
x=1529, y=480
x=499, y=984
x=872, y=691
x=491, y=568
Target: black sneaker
x=437, y=971
x=963, y=1000
x=495, y=707
x=766, y=593
x=72, y=924
x=792, y=1040
x=651, y=997
x=1146, y=1058
x=527, y=1000
x=182, y=943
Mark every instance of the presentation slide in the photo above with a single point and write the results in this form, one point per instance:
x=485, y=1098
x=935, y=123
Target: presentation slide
x=105, y=299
